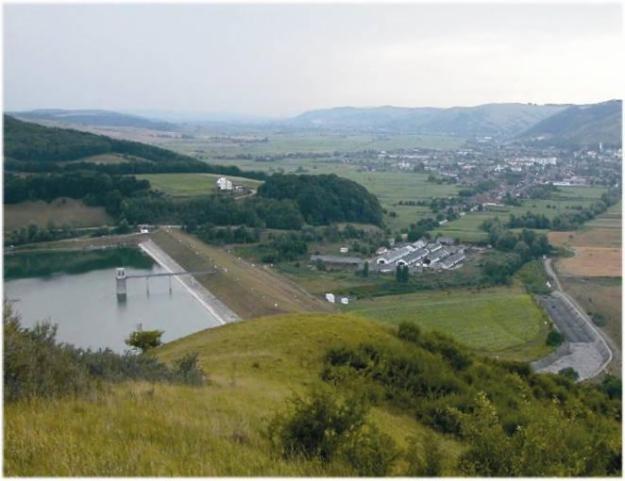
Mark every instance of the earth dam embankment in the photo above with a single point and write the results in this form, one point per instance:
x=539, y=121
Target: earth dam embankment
x=219, y=313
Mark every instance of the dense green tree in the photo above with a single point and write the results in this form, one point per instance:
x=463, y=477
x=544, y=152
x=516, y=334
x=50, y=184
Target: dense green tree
x=144, y=340
x=324, y=198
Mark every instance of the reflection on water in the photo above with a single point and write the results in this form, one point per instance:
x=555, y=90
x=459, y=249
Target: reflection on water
x=85, y=306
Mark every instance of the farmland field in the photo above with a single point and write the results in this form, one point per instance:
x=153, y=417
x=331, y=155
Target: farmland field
x=593, y=275
x=389, y=187
x=597, y=247
x=187, y=185
x=61, y=212
x=207, y=145
x=467, y=228
x=592, y=262
x=502, y=321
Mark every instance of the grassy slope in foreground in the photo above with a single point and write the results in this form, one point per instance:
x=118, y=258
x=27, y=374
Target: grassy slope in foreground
x=164, y=430
x=503, y=321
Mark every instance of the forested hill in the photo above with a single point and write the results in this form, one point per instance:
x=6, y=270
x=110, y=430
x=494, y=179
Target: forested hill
x=581, y=125
x=28, y=142
x=324, y=198
x=32, y=147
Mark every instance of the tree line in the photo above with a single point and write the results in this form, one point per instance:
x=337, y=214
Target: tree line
x=94, y=188
x=135, y=166
x=567, y=220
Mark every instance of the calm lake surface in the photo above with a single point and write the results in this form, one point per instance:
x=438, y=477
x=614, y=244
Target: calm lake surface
x=76, y=291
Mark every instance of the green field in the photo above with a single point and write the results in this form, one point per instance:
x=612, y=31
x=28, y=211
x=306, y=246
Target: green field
x=467, y=228
x=502, y=321
x=610, y=219
x=188, y=185
x=208, y=145
x=389, y=187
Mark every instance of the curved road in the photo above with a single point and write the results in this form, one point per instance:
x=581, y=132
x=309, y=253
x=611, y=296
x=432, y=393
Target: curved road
x=587, y=351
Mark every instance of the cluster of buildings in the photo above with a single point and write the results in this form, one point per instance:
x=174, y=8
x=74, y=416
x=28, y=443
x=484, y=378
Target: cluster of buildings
x=441, y=254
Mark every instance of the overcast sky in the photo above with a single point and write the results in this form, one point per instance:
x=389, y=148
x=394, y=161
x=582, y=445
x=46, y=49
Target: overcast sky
x=281, y=60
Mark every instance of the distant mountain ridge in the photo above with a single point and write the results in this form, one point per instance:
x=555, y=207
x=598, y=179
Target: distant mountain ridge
x=580, y=125
x=549, y=124
x=99, y=118
x=495, y=120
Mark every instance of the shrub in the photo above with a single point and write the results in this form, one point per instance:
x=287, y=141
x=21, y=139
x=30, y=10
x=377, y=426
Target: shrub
x=329, y=429
x=36, y=365
x=318, y=426
x=409, y=332
x=144, y=340
x=428, y=464
x=370, y=452
x=612, y=386
x=554, y=338
x=569, y=373
x=187, y=369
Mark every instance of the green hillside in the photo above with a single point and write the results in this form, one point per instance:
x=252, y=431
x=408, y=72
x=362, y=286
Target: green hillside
x=581, y=125
x=28, y=142
x=434, y=410
x=505, y=119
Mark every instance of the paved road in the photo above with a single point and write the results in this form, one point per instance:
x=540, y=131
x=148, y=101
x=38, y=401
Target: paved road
x=585, y=348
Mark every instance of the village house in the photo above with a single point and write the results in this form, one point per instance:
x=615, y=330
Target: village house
x=223, y=183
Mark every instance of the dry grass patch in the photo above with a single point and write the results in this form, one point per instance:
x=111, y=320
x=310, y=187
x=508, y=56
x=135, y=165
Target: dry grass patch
x=60, y=212
x=592, y=262
x=596, y=237
x=601, y=298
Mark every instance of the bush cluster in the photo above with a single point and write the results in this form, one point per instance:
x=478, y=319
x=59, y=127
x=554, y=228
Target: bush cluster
x=327, y=428
x=502, y=410
x=36, y=365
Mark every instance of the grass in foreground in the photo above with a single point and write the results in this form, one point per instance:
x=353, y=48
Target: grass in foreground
x=137, y=429
x=487, y=418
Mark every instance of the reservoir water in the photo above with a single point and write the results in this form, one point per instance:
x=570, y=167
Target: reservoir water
x=76, y=291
